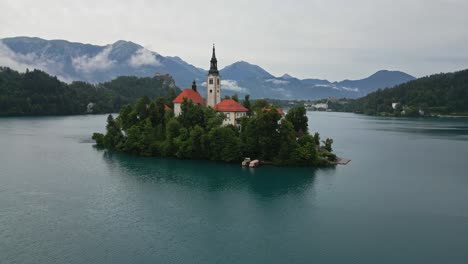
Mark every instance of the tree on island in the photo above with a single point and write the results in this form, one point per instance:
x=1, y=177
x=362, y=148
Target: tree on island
x=297, y=116
x=147, y=129
x=246, y=104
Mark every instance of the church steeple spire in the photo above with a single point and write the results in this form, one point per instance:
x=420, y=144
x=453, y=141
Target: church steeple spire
x=213, y=82
x=213, y=63
x=194, y=86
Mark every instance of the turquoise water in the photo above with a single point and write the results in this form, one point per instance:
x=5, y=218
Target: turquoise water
x=402, y=199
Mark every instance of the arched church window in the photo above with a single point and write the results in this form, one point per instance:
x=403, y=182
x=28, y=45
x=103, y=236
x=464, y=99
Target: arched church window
x=218, y=81
x=211, y=80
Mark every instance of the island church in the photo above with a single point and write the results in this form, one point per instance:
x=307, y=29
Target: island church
x=231, y=109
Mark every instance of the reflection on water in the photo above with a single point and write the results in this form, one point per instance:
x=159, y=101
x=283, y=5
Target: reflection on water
x=401, y=200
x=267, y=181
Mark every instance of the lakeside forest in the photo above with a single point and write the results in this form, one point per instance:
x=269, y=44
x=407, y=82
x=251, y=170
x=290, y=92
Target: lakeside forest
x=37, y=93
x=147, y=129
x=438, y=94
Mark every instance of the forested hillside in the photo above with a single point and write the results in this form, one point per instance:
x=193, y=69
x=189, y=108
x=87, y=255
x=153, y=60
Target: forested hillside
x=445, y=93
x=37, y=93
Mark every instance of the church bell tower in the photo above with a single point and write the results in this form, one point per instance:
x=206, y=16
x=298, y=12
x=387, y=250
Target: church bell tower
x=213, y=83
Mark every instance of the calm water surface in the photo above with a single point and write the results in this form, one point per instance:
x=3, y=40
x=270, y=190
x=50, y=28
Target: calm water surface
x=402, y=199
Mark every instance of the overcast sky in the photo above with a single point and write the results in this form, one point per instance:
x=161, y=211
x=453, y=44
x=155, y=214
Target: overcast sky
x=309, y=38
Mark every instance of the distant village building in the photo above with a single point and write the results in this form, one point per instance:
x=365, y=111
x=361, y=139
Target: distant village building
x=90, y=108
x=280, y=111
x=163, y=75
x=395, y=105
x=322, y=106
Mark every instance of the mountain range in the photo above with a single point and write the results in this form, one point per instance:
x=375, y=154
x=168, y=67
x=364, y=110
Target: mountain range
x=71, y=61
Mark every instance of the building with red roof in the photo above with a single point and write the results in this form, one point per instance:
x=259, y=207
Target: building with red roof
x=190, y=95
x=279, y=110
x=232, y=111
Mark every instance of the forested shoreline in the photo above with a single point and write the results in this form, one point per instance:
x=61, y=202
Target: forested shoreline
x=36, y=93
x=438, y=94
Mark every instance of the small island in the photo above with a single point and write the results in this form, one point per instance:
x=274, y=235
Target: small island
x=190, y=127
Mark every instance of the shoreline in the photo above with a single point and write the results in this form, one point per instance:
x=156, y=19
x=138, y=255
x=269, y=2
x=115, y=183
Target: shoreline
x=393, y=116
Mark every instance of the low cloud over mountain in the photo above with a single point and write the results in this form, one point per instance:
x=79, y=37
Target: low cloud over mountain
x=76, y=61
x=99, y=62
x=143, y=57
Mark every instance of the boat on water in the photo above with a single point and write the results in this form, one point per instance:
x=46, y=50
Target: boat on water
x=254, y=163
x=246, y=162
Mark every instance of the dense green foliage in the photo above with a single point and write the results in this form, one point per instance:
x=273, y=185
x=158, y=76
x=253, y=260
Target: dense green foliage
x=37, y=93
x=297, y=116
x=246, y=104
x=445, y=93
x=147, y=129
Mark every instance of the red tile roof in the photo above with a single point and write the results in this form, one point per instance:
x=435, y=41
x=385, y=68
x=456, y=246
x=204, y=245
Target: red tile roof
x=279, y=110
x=190, y=95
x=229, y=105
x=166, y=108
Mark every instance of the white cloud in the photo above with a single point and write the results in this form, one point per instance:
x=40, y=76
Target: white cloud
x=340, y=88
x=350, y=89
x=21, y=62
x=283, y=91
x=9, y=59
x=279, y=89
x=232, y=85
x=277, y=82
x=143, y=57
x=331, y=86
x=324, y=85
x=99, y=62
x=356, y=39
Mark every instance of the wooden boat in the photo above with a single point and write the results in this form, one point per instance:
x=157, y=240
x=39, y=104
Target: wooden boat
x=246, y=162
x=254, y=163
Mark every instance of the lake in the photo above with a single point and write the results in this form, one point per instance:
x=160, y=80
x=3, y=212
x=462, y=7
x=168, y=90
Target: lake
x=402, y=199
